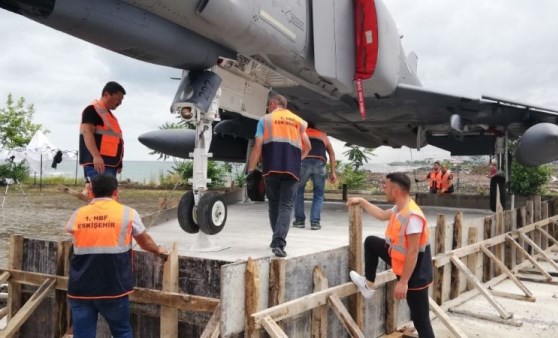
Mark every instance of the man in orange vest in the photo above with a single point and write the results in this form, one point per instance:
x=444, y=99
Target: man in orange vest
x=446, y=181
x=281, y=142
x=101, y=146
x=101, y=267
x=314, y=168
x=405, y=247
x=433, y=178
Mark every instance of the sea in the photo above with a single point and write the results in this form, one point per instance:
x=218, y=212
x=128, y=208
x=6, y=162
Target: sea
x=144, y=172
x=149, y=172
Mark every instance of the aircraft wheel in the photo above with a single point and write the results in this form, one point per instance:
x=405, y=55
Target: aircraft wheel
x=497, y=183
x=212, y=213
x=186, y=211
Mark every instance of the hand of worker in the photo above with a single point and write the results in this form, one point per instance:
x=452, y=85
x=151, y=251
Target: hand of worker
x=162, y=250
x=99, y=164
x=333, y=178
x=354, y=201
x=400, y=291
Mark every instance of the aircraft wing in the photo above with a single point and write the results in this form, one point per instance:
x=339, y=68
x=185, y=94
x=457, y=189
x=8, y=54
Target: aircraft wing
x=413, y=116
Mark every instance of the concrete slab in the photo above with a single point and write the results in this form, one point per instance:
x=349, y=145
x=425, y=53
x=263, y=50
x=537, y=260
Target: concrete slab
x=247, y=232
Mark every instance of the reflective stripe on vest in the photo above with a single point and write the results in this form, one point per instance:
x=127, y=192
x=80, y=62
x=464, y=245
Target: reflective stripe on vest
x=318, y=140
x=282, y=146
x=102, y=227
x=396, y=235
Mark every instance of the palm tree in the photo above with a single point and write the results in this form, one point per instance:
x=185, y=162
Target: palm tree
x=358, y=155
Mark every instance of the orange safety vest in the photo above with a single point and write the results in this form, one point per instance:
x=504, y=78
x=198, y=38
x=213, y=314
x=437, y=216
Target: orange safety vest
x=444, y=180
x=102, y=263
x=108, y=139
x=435, y=177
x=282, y=145
x=396, y=239
x=318, y=141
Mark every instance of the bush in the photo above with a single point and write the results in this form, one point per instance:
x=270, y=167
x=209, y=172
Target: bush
x=215, y=172
x=19, y=171
x=354, y=179
x=529, y=180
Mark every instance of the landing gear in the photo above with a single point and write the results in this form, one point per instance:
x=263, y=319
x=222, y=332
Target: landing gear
x=197, y=101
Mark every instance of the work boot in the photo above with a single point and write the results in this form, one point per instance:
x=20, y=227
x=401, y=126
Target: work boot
x=277, y=251
x=360, y=282
x=315, y=225
x=298, y=224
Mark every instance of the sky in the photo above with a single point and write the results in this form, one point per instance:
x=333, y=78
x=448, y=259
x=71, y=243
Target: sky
x=502, y=48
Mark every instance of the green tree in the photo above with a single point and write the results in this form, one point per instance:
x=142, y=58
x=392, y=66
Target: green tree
x=529, y=180
x=358, y=155
x=16, y=123
x=215, y=172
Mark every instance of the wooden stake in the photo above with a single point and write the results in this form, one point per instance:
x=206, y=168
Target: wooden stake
x=438, y=284
x=344, y=316
x=169, y=315
x=472, y=259
x=276, y=282
x=500, y=247
x=513, y=296
x=544, y=215
x=480, y=287
x=356, y=301
x=507, y=321
x=455, y=273
x=486, y=275
x=392, y=308
x=319, y=314
x=62, y=311
x=15, y=261
x=252, y=297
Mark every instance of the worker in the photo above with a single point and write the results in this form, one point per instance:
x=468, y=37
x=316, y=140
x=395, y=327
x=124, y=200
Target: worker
x=445, y=181
x=433, y=178
x=493, y=170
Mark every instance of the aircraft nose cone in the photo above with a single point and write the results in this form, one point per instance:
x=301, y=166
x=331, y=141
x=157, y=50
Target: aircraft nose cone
x=538, y=145
x=172, y=142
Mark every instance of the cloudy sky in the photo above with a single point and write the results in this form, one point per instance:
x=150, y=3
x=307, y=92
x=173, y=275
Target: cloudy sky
x=503, y=48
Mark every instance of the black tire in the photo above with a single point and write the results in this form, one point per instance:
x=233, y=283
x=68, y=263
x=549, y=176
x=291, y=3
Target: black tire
x=186, y=213
x=497, y=182
x=212, y=213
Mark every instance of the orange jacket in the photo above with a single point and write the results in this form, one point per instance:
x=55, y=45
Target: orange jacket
x=396, y=239
x=445, y=180
x=434, y=178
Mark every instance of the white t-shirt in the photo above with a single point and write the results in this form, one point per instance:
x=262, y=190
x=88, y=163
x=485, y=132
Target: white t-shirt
x=415, y=225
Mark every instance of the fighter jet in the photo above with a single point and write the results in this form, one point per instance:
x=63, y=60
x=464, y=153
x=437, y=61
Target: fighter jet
x=339, y=63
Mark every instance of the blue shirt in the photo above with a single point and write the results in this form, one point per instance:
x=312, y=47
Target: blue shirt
x=260, y=128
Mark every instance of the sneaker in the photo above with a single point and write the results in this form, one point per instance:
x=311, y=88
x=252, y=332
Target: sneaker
x=360, y=282
x=315, y=226
x=277, y=251
x=298, y=224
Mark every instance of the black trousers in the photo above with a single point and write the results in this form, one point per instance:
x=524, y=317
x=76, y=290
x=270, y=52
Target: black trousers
x=376, y=247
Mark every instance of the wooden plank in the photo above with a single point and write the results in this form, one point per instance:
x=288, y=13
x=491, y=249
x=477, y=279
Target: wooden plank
x=319, y=314
x=15, y=261
x=521, y=222
x=3, y=312
x=508, y=252
x=455, y=330
x=472, y=260
x=539, y=251
x=537, y=208
x=180, y=301
x=272, y=328
x=344, y=316
x=212, y=329
x=483, y=290
x=529, y=258
x=443, y=258
x=530, y=219
x=169, y=315
x=4, y=277
x=27, y=309
x=486, y=261
x=536, y=280
x=392, y=308
x=536, y=272
x=505, y=270
x=547, y=235
x=356, y=301
x=495, y=319
x=308, y=302
x=438, y=284
x=456, y=244
x=513, y=296
x=251, y=297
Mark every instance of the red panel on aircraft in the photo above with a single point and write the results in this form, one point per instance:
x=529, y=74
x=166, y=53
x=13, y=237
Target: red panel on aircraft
x=366, y=29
